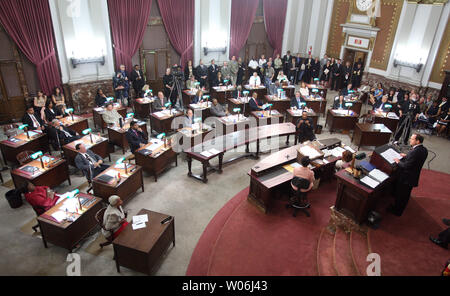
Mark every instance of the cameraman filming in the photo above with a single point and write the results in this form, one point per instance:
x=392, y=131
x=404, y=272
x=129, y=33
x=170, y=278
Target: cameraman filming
x=409, y=113
x=121, y=85
x=173, y=84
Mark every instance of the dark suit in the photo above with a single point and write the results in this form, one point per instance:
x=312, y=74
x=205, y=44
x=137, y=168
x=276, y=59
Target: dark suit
x=346, y=76
x=338, y=105
x=83, y=164
x=200, y=72
x=381, y=105
x=49, y=115
x=196, y=100
x=58, y=137
x=409, y=108
x=408, y=175
x=135, y=138
x=158, y=106
x=212, y=74
x=254, y=106
x=27, y=120
x=305, y=132
x=138, y=84
x=336, y=73
x=100, y=101
x=294, y=102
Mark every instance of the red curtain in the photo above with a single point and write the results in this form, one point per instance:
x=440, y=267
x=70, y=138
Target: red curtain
x=275, y=18
x=129, y=21
x=178, y=18
x=29, y=24
x=243, y=14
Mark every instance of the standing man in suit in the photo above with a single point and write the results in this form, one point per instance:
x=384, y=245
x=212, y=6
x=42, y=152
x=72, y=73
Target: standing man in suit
x=234, y=68
x=212, y=73
x=409, y=168
x=160, y=102
x=336, y=72
x=286, y=60
x=346, y=74
x=357, y=75
x=323, y=62
x=34, y=122
x=241, y=72
x=202, y=74
x=226, y=71
x=138, y=79
x=136, y=137
x=88, y=162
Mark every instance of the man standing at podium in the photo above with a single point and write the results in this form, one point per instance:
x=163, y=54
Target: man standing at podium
x=409, y=168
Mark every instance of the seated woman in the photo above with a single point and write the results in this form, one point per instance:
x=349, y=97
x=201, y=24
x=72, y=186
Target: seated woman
x=442, y=123
x=218, y=81
x=304, y=90
x=345, y=161
x=39, y=102
x=198, y=98
x=339, y=103
x=41, y=198
x=378, y=92
x=49, y=112
x=111, y=117
x=190, y=83
x=59, y=100
x=100, y=98
x=282, y=78
x=114, y=219
x=305, y=173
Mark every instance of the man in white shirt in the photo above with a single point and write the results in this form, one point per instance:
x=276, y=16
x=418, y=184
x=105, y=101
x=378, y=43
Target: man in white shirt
x=253, y=65
x=34, y=122
x=255, y=80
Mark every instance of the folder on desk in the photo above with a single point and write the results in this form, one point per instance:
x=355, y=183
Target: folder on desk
x=29, y=169
x=105, y=178
x=367, y=166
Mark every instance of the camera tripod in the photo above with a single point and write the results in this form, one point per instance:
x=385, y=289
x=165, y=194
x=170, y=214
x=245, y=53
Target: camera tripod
x=178, y=88
x=404, y=130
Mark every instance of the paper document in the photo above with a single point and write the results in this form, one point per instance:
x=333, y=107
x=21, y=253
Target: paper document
x=370, y=182
x=206, y=154
x=378, y=175
x=390, y=155
x=214, y=151
x=111, y=173
x=349, y=149
x=59, y=216
x=295, y=165
x=310, y=152
x=140, y=219
x=139, y=226
x=337, y=152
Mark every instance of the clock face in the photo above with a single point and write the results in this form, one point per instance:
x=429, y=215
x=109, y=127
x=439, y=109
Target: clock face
x=363, y=5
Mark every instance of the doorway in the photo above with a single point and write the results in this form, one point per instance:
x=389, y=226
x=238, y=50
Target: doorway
x=353, y=56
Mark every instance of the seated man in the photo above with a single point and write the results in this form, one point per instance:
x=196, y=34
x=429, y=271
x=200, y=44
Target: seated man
x=198, y=98
x=254, y=103
x=136, y=137
x=255, y=80
x=305, y=128
x=160, y=102
x=191, y=83
x=442, y=123
x=297, y=100
x=217, y=109
x=34, y=122
x=339, y=103
x=381, y=105
x=88, y=162
x=189, y=118
x=305, y=173
x=41, y=198
x=274, y=87
x=111, y=116
x=58, y=133
x=114, y=218
x=347, y=91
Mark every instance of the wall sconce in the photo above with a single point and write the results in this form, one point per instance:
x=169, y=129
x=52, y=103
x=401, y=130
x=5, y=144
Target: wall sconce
x=417, y=66
x=75, y=61
x=207, y=50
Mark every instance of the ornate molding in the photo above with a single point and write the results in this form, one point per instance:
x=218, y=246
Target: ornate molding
x=441, y=63
x=433, y=2
x=336, y=33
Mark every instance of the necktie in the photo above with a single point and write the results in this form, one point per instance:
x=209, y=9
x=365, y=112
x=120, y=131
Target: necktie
x=35, y=122
x=89, y=158
x=66, y=133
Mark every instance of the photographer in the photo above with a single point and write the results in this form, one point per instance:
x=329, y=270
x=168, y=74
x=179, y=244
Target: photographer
x=121, y=85
x=173, y=83
x=409, y=113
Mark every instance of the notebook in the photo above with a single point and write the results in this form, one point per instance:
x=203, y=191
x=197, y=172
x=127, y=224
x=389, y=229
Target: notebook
x=105, y=178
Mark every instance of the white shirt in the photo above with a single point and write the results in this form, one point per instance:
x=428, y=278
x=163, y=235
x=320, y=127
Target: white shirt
x=304, y=92
x=35, y=121
x=262, y=62
x=253, y=64
x=255, y=81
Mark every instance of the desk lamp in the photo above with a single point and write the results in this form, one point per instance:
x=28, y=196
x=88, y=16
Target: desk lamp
x=348, y=105
x=122, y=160
x=25, y=128
x=37, y=155
x=238, y=111
x=88, y=132
x=69, y=111
x=389, y=107
x=169, y=106
x=163, y=136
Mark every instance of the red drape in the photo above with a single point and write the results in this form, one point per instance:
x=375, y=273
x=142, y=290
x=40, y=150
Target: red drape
x=29, y=24
x=129, y=21
x=178, y=18
x=243, y=14
x=275, y=18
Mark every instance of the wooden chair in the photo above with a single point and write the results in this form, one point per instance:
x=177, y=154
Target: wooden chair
x=99, y=218
x=24, y=157
x=298, y=200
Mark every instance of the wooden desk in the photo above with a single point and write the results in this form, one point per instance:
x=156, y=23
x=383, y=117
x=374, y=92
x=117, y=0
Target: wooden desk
x=68, y=234
x=117, y=135
x=234, y=123
x=222, y=93
x=322, y=90
x=356, y=200
x=141, y=249
x=52, y=176
x=143, y=107
x=317, y=105
x=337, y=121
x=126, y=187
x=202, y=110
x=281, y=105
x=157, y=161
x=163, y=123
x=100, y=147
x=290, y=91
x=189, y=137
x=230, y=141
x=78, y=124
x=368, y=134
x=261, y=91
x=98, y=119
x=10, y=149
x=357, y=104
x=268, y=176
x=268, y=117
x=241, y=103
x=294, y=116
x=189, y=95
x=390, y=122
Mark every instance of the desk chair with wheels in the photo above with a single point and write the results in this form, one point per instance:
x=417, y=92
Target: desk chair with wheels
x=99, y=218
x=298, y=199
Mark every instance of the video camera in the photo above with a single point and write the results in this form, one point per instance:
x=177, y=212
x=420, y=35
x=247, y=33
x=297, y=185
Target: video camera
x=177, y=72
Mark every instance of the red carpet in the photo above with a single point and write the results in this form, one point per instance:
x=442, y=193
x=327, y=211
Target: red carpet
x=241, y=241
